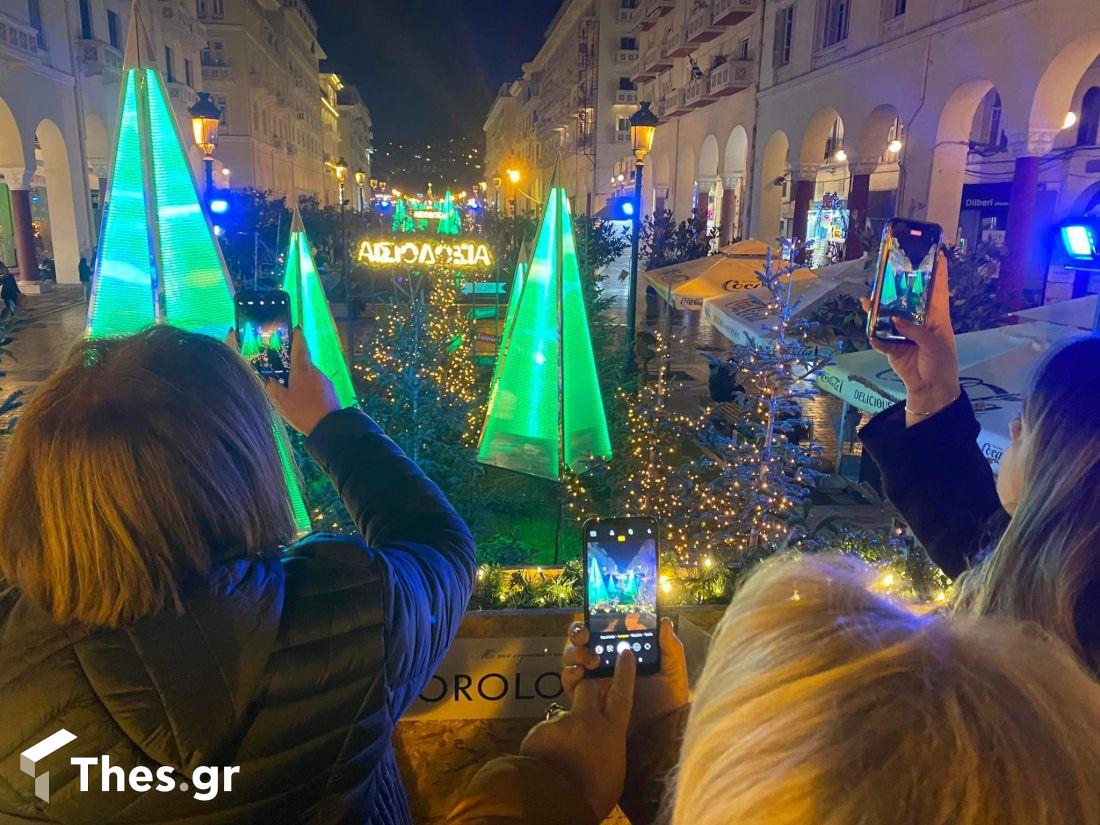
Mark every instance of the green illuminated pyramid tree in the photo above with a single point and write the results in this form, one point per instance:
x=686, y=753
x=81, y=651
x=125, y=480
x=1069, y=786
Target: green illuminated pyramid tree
x=545, y=413
x=158, y=261
x=450, y=223
x=309, y=309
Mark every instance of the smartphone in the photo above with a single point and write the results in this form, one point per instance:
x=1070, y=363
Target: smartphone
x=263, y=332
x=620, y=592
x=903, y=276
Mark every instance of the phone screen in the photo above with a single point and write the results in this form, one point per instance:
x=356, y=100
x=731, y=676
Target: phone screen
x=620, y=564
x=263, y=332
x=903, y=285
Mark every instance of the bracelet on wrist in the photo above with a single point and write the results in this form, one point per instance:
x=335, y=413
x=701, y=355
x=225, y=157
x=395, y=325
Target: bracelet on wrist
x=924, y=414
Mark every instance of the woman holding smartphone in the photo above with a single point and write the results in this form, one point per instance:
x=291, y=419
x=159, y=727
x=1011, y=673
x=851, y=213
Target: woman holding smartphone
x=1025, y=544
x=151, y=608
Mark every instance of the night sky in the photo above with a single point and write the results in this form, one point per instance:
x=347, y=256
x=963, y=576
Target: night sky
x=429, y=69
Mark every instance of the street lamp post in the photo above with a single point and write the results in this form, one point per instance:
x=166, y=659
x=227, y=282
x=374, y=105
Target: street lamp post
x=514, y=176
x=496, y=193
x=341, y=176
x=360, y=179
x=643, y=125
x=205, y=116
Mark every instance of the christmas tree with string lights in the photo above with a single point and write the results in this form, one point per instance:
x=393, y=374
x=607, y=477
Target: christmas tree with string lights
x=754, y=505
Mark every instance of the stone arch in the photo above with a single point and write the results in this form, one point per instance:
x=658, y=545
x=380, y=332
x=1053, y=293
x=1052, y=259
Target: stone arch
x=737, y=151
x=949, y=155
x=816, y=137
x=708, y=158
x=60, y=200
x=1054, y=92
x=774, y=181
x=12, y=152
x=875, y=132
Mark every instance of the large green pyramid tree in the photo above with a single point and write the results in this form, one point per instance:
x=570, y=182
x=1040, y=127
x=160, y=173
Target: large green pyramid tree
x=309, y=309
x=158, y=261
x=545, y=412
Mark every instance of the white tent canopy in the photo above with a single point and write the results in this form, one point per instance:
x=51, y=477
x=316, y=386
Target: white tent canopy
x=1079, y=312
x=732, y=269
x=995, y=367
x=742, y=315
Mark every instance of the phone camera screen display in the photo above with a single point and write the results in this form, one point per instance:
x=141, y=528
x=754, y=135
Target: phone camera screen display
x=263, y=330
x=621, y=589
x=908, y=258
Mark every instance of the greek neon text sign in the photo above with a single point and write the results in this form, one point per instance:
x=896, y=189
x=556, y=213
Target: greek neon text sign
x=460, y=255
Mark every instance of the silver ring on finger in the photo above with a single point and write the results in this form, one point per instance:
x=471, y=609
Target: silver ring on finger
x=553, y=710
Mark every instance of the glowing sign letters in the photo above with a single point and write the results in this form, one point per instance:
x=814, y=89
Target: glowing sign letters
x=460, y=255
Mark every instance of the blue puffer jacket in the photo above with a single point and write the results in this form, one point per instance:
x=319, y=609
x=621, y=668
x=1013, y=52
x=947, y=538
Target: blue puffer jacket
x=294, y=666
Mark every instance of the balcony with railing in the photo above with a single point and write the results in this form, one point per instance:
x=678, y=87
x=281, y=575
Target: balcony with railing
x=653, y=10
x=182, y=94
x=98, y=58
x=732, y=12
x=700, y=28
x=19, y=41
x=620, y=135
x=697, y=93
x=676, y=44
x=626, y=17
x=731, y=77
x=626, y=57
x=643, y=70
x=626, y=96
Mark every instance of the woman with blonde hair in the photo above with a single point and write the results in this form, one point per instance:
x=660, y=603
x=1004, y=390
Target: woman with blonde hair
x=825, y=702
x=1025, y=544
x=153, y=616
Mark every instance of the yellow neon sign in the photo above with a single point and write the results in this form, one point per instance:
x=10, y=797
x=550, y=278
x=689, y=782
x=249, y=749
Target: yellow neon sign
x=460, y=255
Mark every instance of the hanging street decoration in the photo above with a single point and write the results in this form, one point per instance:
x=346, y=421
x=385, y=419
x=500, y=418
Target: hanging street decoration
x=545, y=413
x=309, y=309
x=158, y=261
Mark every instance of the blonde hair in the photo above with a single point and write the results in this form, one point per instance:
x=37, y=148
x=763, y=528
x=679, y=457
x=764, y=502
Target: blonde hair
x=137, y=464
x=822, y=702
x=1046, y=567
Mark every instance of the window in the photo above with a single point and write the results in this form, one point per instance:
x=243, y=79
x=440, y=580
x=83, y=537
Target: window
x=112, y=29
x=85, y=20
x=1089, y=128
x=626, y=84
x=623, y=124
x=743, y=49
x=836, y=22
x=169, y=65
x=987, y=121
x=214, y=53
x=784, y=28
x=222, y=102
x=895, y=8
x=34, y=17
x=628, y=43
x=188, y=73
x=217, y=9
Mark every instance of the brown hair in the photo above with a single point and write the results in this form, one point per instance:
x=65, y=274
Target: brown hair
x=1046, y=567
x=137, y=464
x=824, y=702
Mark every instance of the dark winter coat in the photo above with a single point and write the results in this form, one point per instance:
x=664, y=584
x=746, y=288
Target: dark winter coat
x=294, y=666
x=9, y=288
x=936, y=476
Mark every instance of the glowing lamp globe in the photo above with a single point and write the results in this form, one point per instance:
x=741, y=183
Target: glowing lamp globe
x=205, y=116
x=643, y=126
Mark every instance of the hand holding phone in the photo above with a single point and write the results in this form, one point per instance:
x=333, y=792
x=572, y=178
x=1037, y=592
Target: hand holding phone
x=620, y=588
x=263, y=332
x=904, y=277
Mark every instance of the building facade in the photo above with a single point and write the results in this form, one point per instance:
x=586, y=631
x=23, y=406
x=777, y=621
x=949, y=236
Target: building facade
x=571, y=102
x=356, y=144
x=825, y=117
x=60, y=73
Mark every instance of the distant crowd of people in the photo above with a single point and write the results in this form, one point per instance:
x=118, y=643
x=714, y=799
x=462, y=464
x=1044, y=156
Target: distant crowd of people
x=154, y=602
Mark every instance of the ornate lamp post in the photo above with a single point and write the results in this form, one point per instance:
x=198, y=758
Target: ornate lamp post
x=643, y=125
x=514, y=176
x=205, y=116
x=496, y=193
x=360, y=179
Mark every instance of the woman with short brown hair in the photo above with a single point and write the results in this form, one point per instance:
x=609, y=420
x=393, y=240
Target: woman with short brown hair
x=149, y=604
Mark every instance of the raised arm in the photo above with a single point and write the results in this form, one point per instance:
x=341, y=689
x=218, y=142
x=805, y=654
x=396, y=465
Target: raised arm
x=927, y=448
x=423, y=549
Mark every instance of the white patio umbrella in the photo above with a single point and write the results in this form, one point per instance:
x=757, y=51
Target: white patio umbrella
x=995, y=366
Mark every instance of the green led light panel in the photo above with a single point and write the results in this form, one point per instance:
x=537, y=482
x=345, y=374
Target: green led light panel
x=156, y=244
x=545, y=410
x=309, y=309
x=122, y=294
